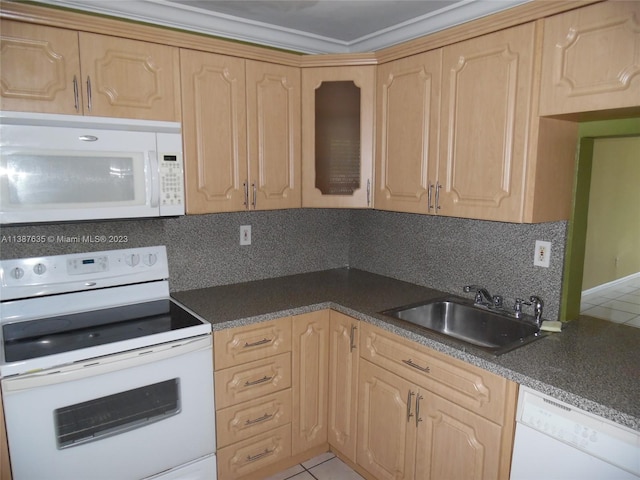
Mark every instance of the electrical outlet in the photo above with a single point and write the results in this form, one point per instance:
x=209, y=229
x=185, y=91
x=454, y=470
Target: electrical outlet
x=542, y=255
x=245, y=234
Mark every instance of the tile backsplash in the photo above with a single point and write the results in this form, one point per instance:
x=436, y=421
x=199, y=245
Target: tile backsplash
x=437, y=252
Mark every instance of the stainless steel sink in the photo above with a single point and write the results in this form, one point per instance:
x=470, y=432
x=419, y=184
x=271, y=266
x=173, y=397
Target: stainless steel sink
x=489, y=330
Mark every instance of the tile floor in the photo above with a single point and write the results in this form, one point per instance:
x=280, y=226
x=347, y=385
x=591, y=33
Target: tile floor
x=323, y=467
x=618, y=303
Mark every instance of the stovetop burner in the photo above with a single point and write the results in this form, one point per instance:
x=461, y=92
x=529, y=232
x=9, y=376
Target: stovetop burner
x=48, y=336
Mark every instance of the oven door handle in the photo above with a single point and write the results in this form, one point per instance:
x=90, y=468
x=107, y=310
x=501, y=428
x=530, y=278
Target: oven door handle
x=102, y=365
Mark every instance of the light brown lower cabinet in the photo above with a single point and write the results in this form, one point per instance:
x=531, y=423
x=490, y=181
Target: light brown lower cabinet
x=407, y=432
x=424, y=415
x=249, y=456
x=344, y=358
x=310, y=366
x=391, y=408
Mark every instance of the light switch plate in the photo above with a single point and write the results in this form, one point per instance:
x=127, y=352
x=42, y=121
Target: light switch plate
x=245, y=234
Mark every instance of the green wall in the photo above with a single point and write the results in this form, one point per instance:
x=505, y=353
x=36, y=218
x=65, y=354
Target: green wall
x=576, y=234
x=613, y=235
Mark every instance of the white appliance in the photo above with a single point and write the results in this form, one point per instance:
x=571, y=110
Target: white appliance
x=67, y=168
x=556, y=441
x=104, y=376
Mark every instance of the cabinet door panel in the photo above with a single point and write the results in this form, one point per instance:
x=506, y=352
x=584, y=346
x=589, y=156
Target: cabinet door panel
x=273, y=130
x=310, y=349
x=130, y=79
x=214, y=132
x=590, y=59
x=485, y=119
x=407, y=138
x=343, y=383
x=386, y=431
x=454, y=443
x=337, y=157
x=38, y=65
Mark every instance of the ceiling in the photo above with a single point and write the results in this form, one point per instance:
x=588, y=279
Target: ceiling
x=309, y=26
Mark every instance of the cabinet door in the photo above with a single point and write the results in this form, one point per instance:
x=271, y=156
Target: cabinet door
x=39, y=68
x=407, y=134
x=310, y=376
x=386, y=424
x=590, y=59
x=453, y=442
x=337, y=139
x=273, y=133
x=214, y=132
x=343, y=383
x=486, y=109
x=129, y=79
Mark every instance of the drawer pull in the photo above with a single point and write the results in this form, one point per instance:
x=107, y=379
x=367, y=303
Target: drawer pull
x=415, y=365
x=255, y=344
x=256, y=382
x=258, y=456
x=266, y=416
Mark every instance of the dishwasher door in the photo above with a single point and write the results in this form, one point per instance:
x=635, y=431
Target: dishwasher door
x=556, y=441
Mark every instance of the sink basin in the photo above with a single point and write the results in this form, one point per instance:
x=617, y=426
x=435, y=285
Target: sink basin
x=486, y=329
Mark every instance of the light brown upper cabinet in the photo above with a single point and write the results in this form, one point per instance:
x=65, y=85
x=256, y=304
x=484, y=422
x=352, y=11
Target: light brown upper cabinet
x=497, y=159
x=408, y=103
x=337, y=124
x=273, y=134
x=590, y=59
x=53, y=70
x=241, y=129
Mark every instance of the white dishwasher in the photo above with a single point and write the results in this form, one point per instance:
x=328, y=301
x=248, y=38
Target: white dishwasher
x=556, y=441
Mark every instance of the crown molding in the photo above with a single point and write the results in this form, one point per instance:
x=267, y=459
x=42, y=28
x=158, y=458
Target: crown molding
x=184, y=17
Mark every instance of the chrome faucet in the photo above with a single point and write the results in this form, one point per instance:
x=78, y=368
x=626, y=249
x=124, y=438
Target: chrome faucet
x=483, y=297
x=538, y=304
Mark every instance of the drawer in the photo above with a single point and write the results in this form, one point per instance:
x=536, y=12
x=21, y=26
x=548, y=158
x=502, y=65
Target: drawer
x=252, y=380
x=470, y=387
x=236, y=346
x=247, y=419
x=253, y=454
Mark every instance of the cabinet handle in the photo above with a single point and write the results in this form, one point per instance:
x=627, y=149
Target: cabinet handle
x=245, y=185
x=429, y=195
x=253, y=458
x=255, y=192
x=418, y=398
x=266, y=416
x=415, y=365
x=89, y=100
x=256, y=382
x=255, y=344
x=409, y=395
x=368, y=192
x=76, y=97
x=438, y=187
x=352, y=337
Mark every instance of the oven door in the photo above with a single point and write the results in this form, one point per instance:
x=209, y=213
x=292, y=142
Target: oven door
x=124, y=416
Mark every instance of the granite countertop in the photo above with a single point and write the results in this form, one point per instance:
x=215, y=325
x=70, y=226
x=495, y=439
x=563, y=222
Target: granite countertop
x=592, y=364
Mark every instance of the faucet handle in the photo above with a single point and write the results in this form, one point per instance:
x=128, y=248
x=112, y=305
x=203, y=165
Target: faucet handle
x=517, y=307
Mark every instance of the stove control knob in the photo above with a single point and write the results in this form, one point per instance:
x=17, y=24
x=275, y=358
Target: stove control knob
x=17, y=273
x=150, y=259
x=39, y=269
x=132, y=260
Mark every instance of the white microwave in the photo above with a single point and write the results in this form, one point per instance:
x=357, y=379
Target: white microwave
x=57, y=168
